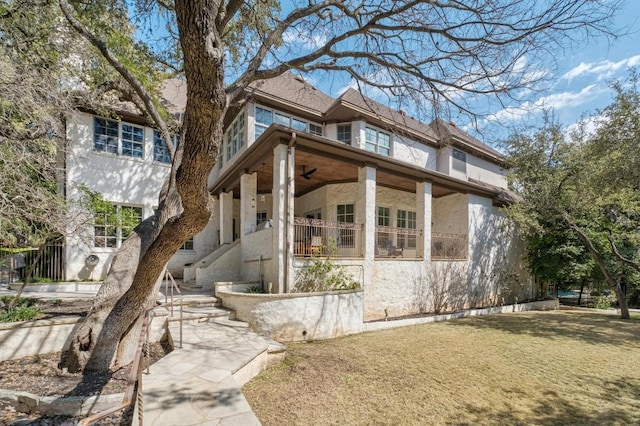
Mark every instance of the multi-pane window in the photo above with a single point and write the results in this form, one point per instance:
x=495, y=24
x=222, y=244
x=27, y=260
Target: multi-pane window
x=315, y=129
x=132, y=140
x=235, y=136
x=406, y=219
x=345, y=214
x=118, y=138
x=188, y=245
x=383, y=218
x=344, y=133
x=459, y=161
x=105, y=135
x=261, y=217
x=160, y=151
x=113, y=224
x=265, y=117
x=377, y=141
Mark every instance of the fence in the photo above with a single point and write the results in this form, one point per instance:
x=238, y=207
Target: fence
x=47, y=263
x=448, y=246
x=396, y=242
x=325, y=237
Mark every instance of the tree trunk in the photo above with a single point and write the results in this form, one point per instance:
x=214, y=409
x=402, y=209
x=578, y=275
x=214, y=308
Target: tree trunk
x=183, y=211
x=599, y=259
x=581, y=290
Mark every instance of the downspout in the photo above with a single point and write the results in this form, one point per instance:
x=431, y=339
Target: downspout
x=285, y=285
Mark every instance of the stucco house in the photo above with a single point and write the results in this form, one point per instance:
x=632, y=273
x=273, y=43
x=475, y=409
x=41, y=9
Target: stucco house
x=410, y=210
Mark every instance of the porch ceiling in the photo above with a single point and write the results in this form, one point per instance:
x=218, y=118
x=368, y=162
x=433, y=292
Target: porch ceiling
x=335, y=163
x=330, y=171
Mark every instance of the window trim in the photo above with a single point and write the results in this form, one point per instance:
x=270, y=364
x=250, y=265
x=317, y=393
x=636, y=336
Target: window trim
x=338, y=132
x=294, y=121
x=458, y=160
x=119, y=232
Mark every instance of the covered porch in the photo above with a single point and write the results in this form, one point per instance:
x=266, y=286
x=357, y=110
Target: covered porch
x=319, y=197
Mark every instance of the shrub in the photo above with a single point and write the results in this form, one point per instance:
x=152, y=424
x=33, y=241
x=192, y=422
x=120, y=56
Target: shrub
x=322, y=274
x=254, y=289
x=605, y=302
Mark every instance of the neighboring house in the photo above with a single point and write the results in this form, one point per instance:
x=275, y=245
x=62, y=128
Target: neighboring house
x=411, y=210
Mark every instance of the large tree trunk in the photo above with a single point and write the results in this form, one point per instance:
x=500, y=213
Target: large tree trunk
x=183, y=211
x=600, y=261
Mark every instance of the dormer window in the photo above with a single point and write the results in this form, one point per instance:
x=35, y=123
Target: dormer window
x=459, y=160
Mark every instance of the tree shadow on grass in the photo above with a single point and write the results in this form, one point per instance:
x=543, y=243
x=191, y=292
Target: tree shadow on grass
x=553, y=409
x=588, y=327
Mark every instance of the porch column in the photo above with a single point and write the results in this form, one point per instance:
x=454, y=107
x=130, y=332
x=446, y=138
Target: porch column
x=366, y=208
x=248, y=202
x=226, y=217
x=423, y=219
x=283, y=165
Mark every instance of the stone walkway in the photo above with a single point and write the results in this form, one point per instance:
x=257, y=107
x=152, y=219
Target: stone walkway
x=200, y=383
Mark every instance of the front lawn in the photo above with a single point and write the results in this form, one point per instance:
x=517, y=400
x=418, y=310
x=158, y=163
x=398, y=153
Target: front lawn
x=545, y=368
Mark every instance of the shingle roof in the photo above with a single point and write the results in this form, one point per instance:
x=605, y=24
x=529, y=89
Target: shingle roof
x=174, y=95
x=447, y=131
x=293, y=89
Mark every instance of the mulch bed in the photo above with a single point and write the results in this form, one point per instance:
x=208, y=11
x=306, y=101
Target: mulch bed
x=42, y=375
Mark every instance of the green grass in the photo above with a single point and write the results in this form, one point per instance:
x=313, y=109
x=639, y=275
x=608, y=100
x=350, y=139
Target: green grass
x=545, y=368
x=24, y=309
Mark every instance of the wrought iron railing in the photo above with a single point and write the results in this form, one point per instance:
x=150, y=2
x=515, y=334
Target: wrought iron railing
x=448, y=246
x=326, y=237
x=397, y=242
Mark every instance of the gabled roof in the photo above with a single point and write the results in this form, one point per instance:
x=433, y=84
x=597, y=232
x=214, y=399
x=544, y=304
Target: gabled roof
x=174, y=95
x=353, y=99
x=293, y=91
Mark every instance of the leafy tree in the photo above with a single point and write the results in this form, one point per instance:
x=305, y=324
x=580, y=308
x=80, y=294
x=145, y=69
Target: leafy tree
x=435, y=52
x=586, y=184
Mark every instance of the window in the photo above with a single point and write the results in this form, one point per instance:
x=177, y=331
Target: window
x=265, y=117
x=377, y=141
x=261, y=217
x=235, y=136
x=263, y=120
x=345, y=214
x=118, y=138
x=160, y=151
x=383, y=218
x=459, y=161
x=188, y=245
x=314, y=129
x=105, y=135
x=113, y=224
x=344, y=133
x=406, y=219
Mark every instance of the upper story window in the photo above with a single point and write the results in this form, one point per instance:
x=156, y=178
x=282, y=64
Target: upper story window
x=265, y=117
x=188, y=245
x=118, y=138
x=160, y=151
x=344, y=133
x=459, y=160
x=234, y=137
x=377, y=141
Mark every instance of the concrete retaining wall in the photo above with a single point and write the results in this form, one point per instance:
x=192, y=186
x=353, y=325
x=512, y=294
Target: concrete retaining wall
x=298, y=316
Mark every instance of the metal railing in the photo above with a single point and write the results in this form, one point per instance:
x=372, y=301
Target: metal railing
x=448, y=246
x=326, y=237
x=397, y=242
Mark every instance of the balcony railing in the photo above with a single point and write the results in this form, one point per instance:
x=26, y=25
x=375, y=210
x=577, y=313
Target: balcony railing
x=397, y=242
x=325, y=237
x=448, y=246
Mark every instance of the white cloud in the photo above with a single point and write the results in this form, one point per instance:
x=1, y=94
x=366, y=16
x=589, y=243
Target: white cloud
x=602, y=69
x=310, y=40
x=570, y=99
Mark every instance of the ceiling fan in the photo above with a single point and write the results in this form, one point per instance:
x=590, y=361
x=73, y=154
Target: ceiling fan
x=307, y=173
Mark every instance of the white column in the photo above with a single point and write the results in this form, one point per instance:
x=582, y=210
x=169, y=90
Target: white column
x=248, y=202
x=226, y=217
x=280, y=197
x=366, y=208
x=423, y=219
